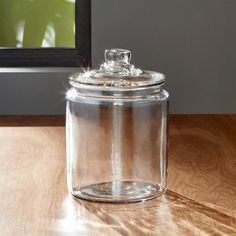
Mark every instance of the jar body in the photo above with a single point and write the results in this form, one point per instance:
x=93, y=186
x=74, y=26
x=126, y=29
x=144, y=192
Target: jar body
x=116, y=148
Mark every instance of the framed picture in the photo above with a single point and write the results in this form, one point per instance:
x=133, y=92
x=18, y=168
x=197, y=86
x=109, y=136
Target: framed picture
x=45, y=33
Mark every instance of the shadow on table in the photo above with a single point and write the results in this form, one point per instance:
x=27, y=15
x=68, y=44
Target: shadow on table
x=170, y=214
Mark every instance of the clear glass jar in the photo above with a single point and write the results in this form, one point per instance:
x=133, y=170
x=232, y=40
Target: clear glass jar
x=116, y=128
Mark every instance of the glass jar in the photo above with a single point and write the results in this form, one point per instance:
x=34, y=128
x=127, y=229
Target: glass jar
x=116, y=127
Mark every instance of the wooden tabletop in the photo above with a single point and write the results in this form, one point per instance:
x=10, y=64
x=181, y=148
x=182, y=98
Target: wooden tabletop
x=201, y=196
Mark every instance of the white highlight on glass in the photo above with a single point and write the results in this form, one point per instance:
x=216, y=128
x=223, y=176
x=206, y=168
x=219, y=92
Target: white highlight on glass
x=49, y=37
x=72, y=1
x=20, y=33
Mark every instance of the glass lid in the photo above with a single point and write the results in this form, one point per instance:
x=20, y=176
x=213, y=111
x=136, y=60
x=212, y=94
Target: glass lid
x=117, y=73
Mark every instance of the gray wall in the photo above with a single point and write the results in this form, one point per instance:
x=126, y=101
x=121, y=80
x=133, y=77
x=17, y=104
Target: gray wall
x=192, y=42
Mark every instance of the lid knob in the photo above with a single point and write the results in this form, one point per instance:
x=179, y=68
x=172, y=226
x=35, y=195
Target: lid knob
x=118, y=55
x=117, y=62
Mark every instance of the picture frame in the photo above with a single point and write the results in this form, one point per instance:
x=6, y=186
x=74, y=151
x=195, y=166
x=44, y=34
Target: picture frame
x=79, y=56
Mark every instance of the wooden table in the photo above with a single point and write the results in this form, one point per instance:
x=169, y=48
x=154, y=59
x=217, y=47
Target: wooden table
x=201, y=196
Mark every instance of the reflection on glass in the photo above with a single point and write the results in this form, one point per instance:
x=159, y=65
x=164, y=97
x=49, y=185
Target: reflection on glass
x=37, y=23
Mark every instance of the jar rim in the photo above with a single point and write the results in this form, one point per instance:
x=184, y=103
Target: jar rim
x=98, y=81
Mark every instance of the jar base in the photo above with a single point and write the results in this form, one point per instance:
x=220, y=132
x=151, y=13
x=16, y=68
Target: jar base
x=119, y=192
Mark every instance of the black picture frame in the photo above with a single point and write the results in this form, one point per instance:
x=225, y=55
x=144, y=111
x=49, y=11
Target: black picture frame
x=80, y=56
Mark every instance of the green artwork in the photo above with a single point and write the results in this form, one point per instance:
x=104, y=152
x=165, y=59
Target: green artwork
x=37, y=23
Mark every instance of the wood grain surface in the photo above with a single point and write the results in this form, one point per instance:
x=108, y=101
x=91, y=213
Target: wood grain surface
x=19, y=121
x=202, y=159
x=201, y=199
